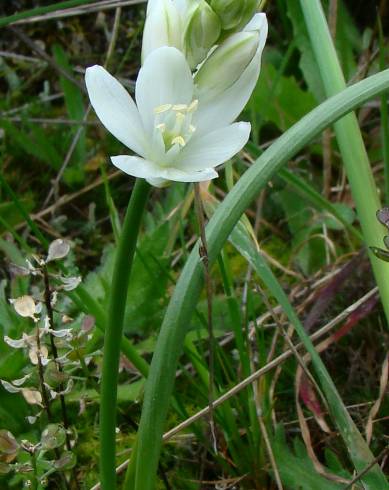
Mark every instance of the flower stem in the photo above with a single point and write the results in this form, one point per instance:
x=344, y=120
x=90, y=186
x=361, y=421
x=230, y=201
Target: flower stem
x=114, y=330
x=203, y=252
x=45, y=398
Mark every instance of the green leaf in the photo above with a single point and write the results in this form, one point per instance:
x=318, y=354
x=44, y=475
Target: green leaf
x=289, y=102
x=148, y=281
x=53, y=436
x=297, y=470
x=307, y=64
x=34, y=143
x=75, y=107
x=142, y=470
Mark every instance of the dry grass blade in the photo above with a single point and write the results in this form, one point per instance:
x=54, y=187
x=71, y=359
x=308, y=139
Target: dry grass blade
x=34, y=47
x=306, y=435
x=87, y=9
x=79, y=132
x=270, y=453
x=203, y=252
x=375, y=408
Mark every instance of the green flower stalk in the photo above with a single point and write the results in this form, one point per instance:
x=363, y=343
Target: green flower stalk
x=114, y=331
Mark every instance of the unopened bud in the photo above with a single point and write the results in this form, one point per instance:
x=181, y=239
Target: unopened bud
x=234, y=14
x=162, y=27
x=226, y=64
x=202, y=32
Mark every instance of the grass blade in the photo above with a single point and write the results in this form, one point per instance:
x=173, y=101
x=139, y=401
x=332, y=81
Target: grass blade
x=169, y=346
x=349, y=139
x=4, y=21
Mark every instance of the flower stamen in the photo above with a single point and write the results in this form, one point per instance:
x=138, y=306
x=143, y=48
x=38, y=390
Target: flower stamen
x=179, y=140
x=162, y=108
x=174, y=123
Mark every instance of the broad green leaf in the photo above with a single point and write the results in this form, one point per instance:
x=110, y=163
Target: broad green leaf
x=289, y=101
x=297, y=470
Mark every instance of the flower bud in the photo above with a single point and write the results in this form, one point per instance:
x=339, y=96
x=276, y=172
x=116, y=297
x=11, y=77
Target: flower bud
x=202, y=32
x=163, y=27
x=226, y=64
x=234, y=14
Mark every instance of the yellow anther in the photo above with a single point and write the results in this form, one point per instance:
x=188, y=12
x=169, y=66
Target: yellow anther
x=162, y=108
x=193, y=105
x=180, y=116
x=180, y=107
x=179, y=140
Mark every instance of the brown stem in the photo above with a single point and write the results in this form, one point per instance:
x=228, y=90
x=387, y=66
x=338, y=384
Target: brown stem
x=203, y=252
x=54, y=352
x=45, y=397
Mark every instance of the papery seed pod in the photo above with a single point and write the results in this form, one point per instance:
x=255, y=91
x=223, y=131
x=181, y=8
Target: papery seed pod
x=53, y=436
x=67, y=461
x=5, y=468
x=8, y=443
x=24, y=306
x=58, y=249
x=53, y=376
x=33, y=397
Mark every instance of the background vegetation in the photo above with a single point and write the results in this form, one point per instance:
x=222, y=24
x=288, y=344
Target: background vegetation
x=274, y=433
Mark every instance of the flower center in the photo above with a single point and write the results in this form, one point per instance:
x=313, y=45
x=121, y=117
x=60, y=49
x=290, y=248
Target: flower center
x=174, y=122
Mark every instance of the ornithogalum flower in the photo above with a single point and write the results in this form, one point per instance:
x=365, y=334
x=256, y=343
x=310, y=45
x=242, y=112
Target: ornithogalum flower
x=179, y=133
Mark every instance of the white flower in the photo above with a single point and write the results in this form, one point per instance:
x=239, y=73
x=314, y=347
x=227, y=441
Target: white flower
x=179, y=134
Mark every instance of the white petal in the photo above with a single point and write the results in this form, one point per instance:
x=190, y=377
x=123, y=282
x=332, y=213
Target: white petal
x=115, y=108
x=214, y=148
x=165, y=78
x=157, y=175
x=160, y=183
x=137, y=167
x=220, y=110
x=179, y=175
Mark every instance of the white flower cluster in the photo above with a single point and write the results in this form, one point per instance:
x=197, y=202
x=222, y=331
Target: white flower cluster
x=201, y=63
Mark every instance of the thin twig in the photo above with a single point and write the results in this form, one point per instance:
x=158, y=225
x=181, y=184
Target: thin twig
x=257, y=374
x=203, y=252
x=368, y=467
x=87, y=9
x=288, y=340
x=49, y=120
x=270, y=452
x=69, y=154
x=72, y=147
x=34, y=47
x=45, y=397
x=68, y=198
